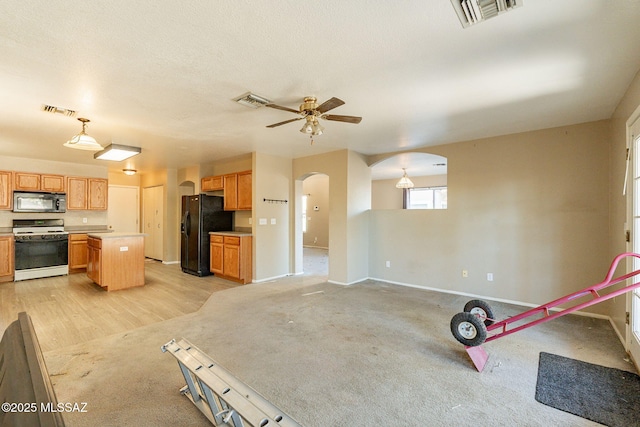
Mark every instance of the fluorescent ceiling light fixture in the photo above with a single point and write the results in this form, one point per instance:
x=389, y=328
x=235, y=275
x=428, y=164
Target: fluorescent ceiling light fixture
x=129, y=171
x=82, y=141
x=404, y=182
x=116, y=152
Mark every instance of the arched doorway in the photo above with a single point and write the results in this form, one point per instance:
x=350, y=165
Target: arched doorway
x=314, y=203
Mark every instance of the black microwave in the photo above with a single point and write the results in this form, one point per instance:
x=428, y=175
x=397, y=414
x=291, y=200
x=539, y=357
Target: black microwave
x=39, y=202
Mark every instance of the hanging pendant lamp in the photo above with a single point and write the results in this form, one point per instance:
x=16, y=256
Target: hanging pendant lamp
x=82, y=141
x=404, y=182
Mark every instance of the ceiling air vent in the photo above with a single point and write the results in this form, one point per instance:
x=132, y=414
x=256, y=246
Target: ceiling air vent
x=58, y=110
x=471, y=12
x=252, y=100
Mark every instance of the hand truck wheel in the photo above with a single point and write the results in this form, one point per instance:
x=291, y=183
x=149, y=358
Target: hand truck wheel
x=482, y=310
x=468, y=329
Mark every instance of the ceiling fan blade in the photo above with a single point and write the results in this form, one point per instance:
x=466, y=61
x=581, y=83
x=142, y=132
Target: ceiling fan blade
x=337, y=118
x=285, y=122
x=330, y=104
x=280, y=107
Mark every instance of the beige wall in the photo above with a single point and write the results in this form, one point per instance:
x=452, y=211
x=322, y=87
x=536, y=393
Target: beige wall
x=385, y=195
x=531, y=208
x=316, y=187
x=271, y=180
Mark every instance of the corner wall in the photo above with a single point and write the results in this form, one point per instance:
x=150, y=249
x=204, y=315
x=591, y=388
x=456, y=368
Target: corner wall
x=531, y=208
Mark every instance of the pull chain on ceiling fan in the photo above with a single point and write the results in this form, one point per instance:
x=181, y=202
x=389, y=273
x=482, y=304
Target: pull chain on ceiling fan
x=311, y=112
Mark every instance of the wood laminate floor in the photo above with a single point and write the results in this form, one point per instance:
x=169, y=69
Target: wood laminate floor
x=68, y=310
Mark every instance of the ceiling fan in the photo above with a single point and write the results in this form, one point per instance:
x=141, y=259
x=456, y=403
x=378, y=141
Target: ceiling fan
x=311, y=111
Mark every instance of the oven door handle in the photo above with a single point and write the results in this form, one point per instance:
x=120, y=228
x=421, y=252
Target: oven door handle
x=42, y=241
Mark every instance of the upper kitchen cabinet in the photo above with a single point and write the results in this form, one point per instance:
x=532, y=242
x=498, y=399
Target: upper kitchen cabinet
x=237, y=191
x=6, y=186
x=87, y=193
x=212, y=183
x=27, y=181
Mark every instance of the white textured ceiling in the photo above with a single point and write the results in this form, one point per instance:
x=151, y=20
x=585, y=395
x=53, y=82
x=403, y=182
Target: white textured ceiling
x=162, y=75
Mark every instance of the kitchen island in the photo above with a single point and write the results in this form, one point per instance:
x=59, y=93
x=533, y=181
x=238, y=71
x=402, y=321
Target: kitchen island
x=116, y=260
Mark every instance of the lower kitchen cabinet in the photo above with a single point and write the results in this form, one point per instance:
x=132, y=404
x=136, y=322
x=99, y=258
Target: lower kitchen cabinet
x=78, y=252
x=116, y=260
x=6, y=258
x=231, y=256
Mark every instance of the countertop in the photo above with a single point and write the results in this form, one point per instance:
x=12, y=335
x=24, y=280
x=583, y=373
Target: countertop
x=231, y=233
x=114, y=235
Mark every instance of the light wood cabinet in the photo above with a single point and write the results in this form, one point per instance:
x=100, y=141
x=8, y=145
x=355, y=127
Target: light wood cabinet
x=6, y=258
x=87, y=193
x=245, y=195
x=116, y=260
x=231, y=257
x=78, y=252
x=6, y=188
x=212, y=183
x=28, y=181
x=237, y=191
x=230, y=192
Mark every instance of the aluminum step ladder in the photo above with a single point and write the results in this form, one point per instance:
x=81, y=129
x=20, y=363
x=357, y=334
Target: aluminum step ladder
x=219, y=395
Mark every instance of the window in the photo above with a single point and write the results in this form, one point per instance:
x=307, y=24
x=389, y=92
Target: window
x=426, y=198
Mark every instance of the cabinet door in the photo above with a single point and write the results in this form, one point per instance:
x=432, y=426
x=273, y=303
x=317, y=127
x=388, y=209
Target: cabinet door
x=245, y=195
x=78, y=254
x=76, y=193
x=27, y=181
x=216, y=259
x=231, y=192
x=53, y=183
x=6, y=187
x=94, y=261
x=97, y=194
x=212, y=183
x=6, y=258
x=232, y=261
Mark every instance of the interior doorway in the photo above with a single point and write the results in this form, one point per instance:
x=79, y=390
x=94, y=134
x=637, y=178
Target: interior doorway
x=124, y=208
x=315, y=224
x=153, y=221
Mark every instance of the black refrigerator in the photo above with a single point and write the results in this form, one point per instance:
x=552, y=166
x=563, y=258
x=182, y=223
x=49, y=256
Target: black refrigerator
x=200, y=215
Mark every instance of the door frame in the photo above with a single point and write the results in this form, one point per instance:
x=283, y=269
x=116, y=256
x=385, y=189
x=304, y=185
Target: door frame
x=632, y=342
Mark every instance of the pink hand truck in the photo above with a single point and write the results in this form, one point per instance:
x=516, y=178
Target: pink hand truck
x=477, y=325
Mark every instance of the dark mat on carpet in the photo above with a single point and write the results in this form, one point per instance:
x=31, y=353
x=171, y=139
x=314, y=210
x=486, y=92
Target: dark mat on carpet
x=605, y=395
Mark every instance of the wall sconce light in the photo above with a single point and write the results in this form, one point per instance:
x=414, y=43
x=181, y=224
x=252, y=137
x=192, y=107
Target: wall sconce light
x=117, y=152
x=129, y=171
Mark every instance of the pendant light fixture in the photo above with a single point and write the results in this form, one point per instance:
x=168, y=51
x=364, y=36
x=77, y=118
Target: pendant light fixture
x=82, y=141
x=404, y=182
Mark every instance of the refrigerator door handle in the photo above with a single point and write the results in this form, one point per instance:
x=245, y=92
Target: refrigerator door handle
x=186, y=219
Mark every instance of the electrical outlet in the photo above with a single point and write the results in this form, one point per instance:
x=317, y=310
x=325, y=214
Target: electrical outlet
x=388, y=264
x=465, y=273
x=84, y=220
x=490, y=277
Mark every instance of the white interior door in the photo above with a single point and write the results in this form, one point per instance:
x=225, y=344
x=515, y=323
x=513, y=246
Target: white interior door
x=153, y=213
x=634, y=297
x=124, y=209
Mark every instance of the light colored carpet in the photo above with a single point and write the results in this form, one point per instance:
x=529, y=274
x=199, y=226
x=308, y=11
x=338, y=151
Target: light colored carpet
x=363, y=355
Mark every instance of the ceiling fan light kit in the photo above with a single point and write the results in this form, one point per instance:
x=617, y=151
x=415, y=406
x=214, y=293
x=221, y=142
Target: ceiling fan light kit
x=311, y=112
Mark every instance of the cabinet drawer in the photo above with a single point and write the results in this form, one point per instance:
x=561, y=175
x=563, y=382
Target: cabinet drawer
x=231, y=240
x=216, y=239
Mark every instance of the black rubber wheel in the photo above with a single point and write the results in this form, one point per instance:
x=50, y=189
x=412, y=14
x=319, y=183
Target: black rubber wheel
x=468, y=329
x=482, y=310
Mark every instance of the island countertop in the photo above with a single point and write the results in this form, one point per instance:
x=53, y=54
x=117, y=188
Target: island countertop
x=114, y=235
